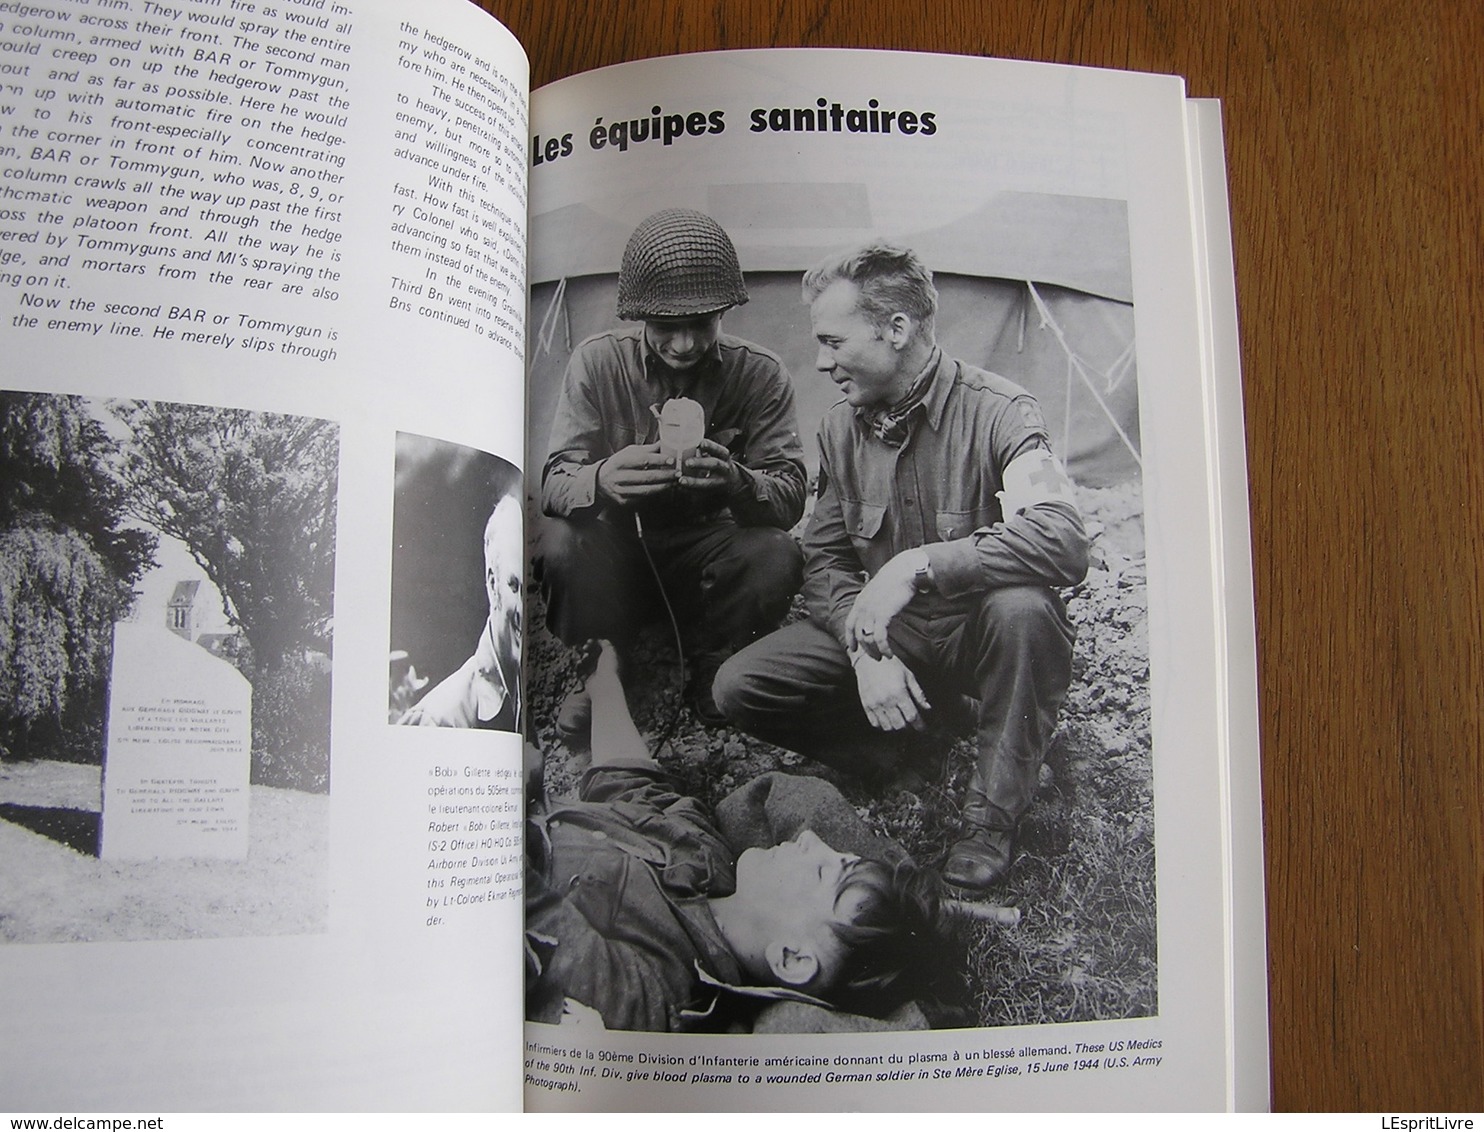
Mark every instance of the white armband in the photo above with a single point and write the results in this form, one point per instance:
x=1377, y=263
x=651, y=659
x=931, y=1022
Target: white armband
x=1033, y=477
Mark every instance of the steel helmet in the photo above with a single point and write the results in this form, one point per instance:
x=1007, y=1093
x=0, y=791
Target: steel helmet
x=679, y=263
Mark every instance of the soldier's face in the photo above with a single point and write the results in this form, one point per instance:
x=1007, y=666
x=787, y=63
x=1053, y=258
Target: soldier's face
x=804, y=870
x=682, y=342
x=857, y=356
x=795, y=886
x=502, y=587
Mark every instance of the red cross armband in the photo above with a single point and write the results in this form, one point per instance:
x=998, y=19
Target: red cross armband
x=1031, y=478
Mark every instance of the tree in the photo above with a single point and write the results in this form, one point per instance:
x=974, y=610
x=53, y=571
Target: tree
x=252, y=495
x=58, y=468
x=67, y=570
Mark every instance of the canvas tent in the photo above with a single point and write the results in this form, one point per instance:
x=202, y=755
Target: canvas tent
x=1031, y=286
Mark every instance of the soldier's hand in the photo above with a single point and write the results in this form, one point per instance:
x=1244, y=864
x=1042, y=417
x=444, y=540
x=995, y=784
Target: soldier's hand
x=633, y=473
x=577, y=1014
x=891, y=696
x=882, y=598
x=710, y=469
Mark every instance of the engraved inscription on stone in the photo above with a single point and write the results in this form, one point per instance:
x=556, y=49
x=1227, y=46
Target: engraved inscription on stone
x=179, y=751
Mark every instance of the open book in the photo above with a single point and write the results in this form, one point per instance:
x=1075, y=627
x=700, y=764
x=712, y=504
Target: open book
x=353, y=392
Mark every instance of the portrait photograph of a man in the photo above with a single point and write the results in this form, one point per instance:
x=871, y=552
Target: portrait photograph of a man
x=457, y=599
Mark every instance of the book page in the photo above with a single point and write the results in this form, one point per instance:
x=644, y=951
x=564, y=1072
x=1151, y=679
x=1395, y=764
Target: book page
x=261, y=267
x=1076, y=796
x=1248, y=976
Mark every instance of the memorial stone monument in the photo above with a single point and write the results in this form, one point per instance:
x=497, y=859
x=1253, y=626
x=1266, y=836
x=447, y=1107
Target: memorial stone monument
x=178, y=753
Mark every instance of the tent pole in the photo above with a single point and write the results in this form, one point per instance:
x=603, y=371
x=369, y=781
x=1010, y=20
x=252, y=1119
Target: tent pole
x=1050, y=323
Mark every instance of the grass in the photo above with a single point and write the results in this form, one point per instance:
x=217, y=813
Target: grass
x=1084, y=877
x=53, y=892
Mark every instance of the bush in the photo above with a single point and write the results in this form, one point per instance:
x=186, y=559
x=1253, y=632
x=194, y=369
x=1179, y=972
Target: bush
x=291, y=727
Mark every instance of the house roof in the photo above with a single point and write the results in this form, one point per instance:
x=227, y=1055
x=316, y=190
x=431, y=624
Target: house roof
x=184, y=593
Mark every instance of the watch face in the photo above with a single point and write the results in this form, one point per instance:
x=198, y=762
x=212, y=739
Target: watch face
x=921, y=577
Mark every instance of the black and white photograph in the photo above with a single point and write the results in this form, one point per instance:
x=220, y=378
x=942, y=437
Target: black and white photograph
x=166, y=641
x=457, y=588
x=852, y=680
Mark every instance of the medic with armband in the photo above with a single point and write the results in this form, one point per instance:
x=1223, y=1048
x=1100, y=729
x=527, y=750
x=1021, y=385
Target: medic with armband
x=943, y=529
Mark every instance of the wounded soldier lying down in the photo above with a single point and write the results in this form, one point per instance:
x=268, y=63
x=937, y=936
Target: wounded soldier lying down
x=642, y=907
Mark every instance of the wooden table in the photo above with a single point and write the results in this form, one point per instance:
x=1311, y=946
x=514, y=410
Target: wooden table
x=1354, y=138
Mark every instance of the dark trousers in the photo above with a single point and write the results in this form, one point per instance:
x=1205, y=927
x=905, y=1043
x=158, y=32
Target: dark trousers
x=1010, y=649
x=728, y=584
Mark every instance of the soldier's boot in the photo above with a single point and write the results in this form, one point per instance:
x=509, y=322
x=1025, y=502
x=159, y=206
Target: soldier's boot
x=703, y=665
x=982, y=856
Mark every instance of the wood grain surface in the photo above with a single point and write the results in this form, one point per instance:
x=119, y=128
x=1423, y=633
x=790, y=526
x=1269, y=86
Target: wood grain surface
x=1354, y=134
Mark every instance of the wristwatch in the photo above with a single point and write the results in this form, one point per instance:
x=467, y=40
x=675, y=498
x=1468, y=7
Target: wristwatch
x=922, y=573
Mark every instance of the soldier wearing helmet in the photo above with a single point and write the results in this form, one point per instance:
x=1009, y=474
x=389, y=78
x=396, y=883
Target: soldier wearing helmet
x=714, y=522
